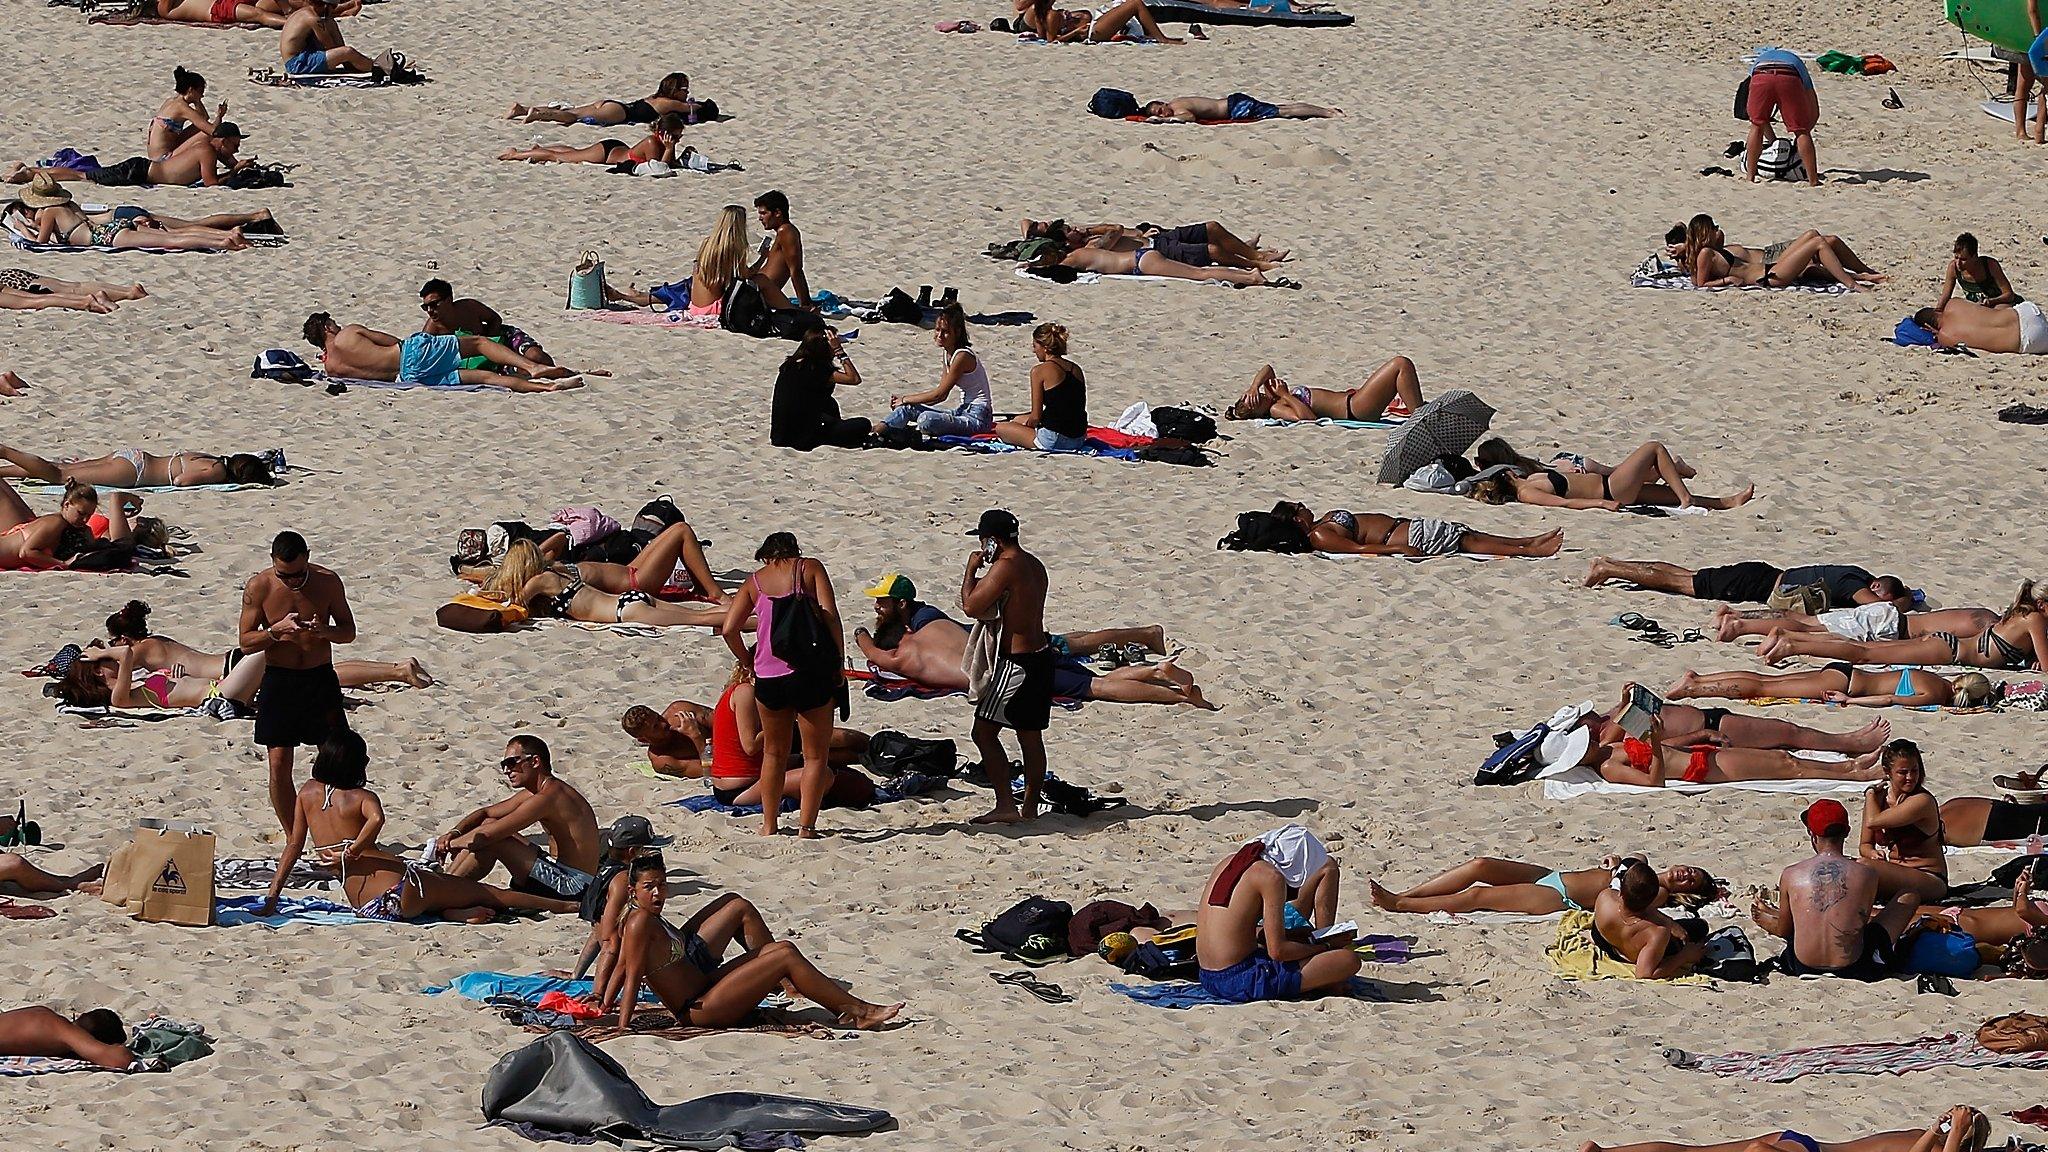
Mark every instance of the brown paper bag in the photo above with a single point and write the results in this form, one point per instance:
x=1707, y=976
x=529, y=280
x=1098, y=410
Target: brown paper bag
x=164, y=874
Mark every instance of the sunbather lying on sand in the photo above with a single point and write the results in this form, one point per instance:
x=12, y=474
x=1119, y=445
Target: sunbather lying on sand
x=1867, y=623
x=671, y=95
x=606, y=593
x=1992, y=927
x=1961, y=324
x=1199, y=244
x=920, y=643
x=268, y=13
x=724, y=742
x=1392, y=384
x=135, y=468
x=1486, y=884
x=1968, y=820
x=96, y=1037
x=1649, y=475
x=110, y=680
x=1652, y=762
x=19, y=876
x=128, y=631
x=1237, y=106
x=1960, y=1129
x=1371, y=534
x=2014, y=641
x=1687, y=726
x=1839, y=683
x=658, y=146
x=343, y=817
x=1255, y=915
x=45, y=214
x=1124, y=255
x=1812, y=257
x=25, y=291
x=433, y=361
x=669, y=563
x=1754, y=582
x=202, y=159
x=1628, y=927
x=1125, y=18
x=682, y=966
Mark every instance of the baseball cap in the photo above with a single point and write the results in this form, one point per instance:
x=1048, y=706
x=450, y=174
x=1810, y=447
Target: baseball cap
x=632, y=832
x=1826, y=818
x=996, y=523
x=892, y=586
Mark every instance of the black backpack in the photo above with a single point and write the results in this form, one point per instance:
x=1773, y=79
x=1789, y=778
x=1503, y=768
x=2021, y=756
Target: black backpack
x=1034, y=931
x=1074, y=800
x=793, y=323
x=1175, y=454
x=1265, y=532
x=893, y=754
x=258, y=176
x=745, y=310
x=1168, y=956
x=1184, y=424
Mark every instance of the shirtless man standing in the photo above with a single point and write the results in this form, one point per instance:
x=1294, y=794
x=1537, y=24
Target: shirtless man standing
x=1628, y=927
x=1826, y=919
x=310, y=43
x=1254, y=885
x=295, y=612
x=96, y=1037
x=448, y=316
x=1010, y=597
x=782, y=255
x=492, y=835
x=1959, y=323
x=426, y=359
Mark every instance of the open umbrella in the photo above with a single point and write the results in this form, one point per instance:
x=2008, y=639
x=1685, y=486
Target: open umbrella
x=1446, y=426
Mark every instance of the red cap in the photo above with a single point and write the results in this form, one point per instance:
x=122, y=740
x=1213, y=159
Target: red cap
x=1826, y=818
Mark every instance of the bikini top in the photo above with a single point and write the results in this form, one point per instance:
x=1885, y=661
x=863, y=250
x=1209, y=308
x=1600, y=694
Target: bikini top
x=1559, y=486
x=558, y=604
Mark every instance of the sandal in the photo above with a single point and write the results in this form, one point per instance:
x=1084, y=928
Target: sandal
x=1636, y=622
x=9, y=910
x=1050, y=993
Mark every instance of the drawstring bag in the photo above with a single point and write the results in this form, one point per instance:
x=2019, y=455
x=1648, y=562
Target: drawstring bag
x=586, y=283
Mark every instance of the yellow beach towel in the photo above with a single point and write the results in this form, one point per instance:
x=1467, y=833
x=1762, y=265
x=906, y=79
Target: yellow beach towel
x=1575, y=957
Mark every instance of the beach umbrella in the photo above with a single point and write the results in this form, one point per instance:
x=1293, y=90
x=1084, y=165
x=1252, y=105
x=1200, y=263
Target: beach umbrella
x=1446, y=426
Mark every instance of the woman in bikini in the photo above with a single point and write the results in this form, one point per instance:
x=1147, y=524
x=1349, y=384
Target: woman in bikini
x=659, y=145
x=1089, y=26
x=1486, y=884
x=183, y=113
x=673, y=95
x=1993, y=928
x=1392, y=389
x=29, y=541
x=134, y=468
x=602, y=593
x=1839, y=683
x=45, y=214
x=268, y=13
x=1715, y=263
x=2015, y=641
x=1649, y=475
x=1901, y=837
x=109, y=680
x=25, y=291
x=1960, y=1129
x=683, y=967
x=342, y=817
x=1371, y=534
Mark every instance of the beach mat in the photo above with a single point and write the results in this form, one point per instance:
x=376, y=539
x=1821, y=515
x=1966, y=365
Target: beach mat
x=1892, y=1058
x=1183, y=994
x=1585, y=781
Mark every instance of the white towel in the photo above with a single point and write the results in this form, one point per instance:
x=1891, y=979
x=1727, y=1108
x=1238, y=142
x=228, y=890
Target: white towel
x=1586, y=781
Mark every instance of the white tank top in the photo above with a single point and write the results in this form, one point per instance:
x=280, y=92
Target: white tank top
x=973, y=383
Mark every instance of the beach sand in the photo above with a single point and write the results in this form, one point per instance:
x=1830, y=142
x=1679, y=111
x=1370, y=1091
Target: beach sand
x=1498, y=174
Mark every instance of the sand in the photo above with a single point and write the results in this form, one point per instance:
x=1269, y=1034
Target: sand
x=1478, y=210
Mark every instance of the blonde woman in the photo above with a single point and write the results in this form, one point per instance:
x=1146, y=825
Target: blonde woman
x=31, y=542
x=600, y=593
x=722, y=258
x=1058, y=419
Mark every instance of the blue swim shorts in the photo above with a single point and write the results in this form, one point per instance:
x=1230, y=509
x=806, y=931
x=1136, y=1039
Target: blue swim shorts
x=434, y=361
x=311, y=62
x=1256, y=977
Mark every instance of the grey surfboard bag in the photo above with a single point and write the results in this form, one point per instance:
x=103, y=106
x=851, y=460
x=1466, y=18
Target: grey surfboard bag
x=565, y=1084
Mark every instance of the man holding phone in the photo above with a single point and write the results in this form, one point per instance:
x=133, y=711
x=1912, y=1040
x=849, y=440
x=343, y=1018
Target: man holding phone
x=1009, y=599
x=295, y=611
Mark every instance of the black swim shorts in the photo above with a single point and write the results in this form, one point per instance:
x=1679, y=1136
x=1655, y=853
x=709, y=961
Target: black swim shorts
x=1750, y=582
x=298, y=706
x=1019, y=696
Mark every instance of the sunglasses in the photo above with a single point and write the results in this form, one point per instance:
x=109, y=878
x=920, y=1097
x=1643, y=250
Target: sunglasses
x=511, y=762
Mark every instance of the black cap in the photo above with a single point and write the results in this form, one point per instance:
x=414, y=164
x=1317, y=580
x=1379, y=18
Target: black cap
x=631, y=832
x=996, y=523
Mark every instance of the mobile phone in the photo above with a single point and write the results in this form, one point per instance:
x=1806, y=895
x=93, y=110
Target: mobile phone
x=989, y=550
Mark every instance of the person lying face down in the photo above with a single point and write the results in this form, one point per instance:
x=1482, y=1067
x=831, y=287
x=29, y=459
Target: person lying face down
x=1628, y=927
x=1257, y=909
x=1961, y=324
x=1960, y=1129
x=1238, y=107
x=1752, y=581
x=96, y=1037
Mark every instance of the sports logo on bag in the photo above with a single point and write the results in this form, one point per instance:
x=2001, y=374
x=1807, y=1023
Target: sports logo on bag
x=170, y=880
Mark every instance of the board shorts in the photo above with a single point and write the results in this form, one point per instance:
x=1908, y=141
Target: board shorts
x=1254, y=978
x=311, y=62
x=1071, y=679
x=224, y=11
x=1188, y=244
x=1433, y=537
x=509, y=337
x=1243, y=107
x=1019, y=695
x=434, y=361
x=130, y=173
x=552, y=879
x=1750, y=582
x=297, y=706
x=1786, y=94
x=2033, y=327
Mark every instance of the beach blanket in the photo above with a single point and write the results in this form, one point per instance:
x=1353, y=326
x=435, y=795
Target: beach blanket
x=889, y=791
x=646, y=319
x=1105, y=442
x=1716, y=911
x=252, y=874
x=643, y=631
x=47, y=1065
x=108, y=712
x=1571, y=783
x=1660, y=271
x=148, y=489
x=161, y=1043
x=1091, y=277
x=1776, y=701
x=530, y=989
x=1187, y=994
x=240, y=911
x=658, y=1024
x=332, y=382
x=1893, y=1058
x=1333, y=422
x=1574, y=956
x=273, y=78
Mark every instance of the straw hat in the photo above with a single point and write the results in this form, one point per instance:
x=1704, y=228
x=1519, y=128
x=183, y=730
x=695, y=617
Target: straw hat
x=43, y=191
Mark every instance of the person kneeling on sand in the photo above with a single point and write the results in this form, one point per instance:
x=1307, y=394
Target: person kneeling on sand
x=1961, y=324
x=494, y=834
x=683, y=968
x=432, y=361
x=339, y=813
x=1960, y=1129
x=1486, y=884
x=1825, y=917
x=96, y=1037
x=1628, y=927
x=1257, y=911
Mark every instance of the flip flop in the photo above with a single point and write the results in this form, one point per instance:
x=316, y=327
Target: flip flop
x=9, y=910
x=1050, y=993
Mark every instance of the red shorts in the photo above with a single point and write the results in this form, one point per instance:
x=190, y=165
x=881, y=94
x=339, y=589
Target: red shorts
x=224, y=11
x=1782, y=92
x=1696, y=768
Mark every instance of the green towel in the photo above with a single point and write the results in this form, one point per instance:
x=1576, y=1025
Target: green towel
x=170, y=1042
x=1840, y=62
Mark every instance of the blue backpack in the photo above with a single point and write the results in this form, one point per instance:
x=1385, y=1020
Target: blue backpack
x=1943, y=953
x=1514, y=761
x=1113, y=103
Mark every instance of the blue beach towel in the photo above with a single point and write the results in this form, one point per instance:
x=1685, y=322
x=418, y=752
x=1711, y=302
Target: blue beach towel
x=491, y=985
x=1184, y=994
x=239, y=911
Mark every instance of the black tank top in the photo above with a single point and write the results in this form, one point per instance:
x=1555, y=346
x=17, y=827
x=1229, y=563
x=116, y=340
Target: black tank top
x=1065, y=409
